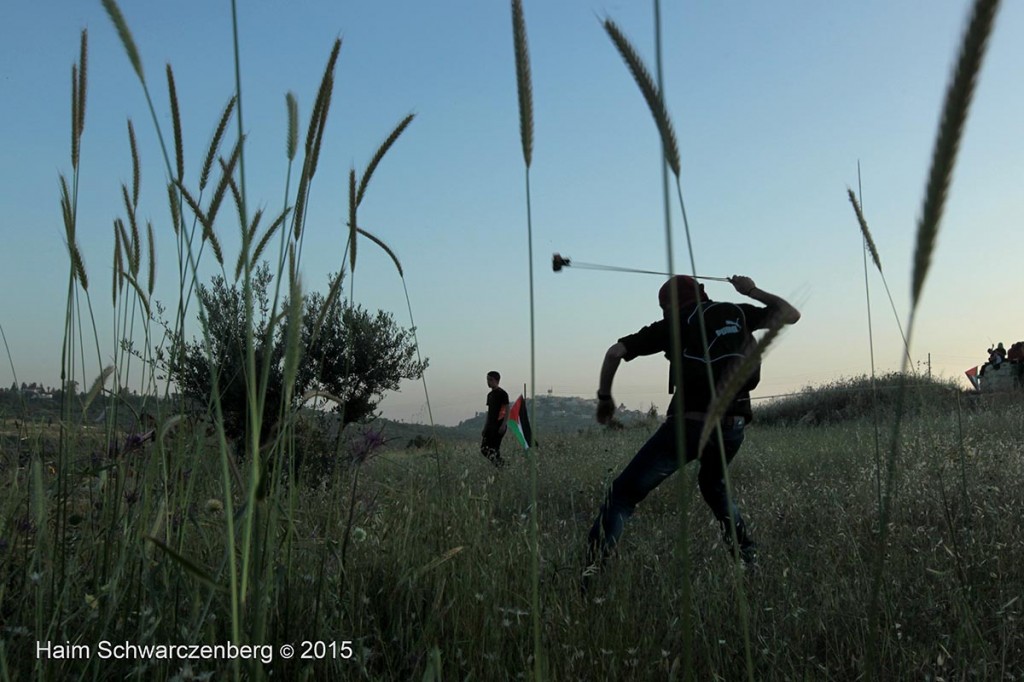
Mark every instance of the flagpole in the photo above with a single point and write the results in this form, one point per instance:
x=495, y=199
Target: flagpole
x=526, y=407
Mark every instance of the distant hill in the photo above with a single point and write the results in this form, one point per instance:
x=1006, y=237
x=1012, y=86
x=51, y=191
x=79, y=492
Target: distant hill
x=551, y=414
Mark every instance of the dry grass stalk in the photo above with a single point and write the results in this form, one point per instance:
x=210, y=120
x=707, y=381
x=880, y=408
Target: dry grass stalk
x=75, y=137
x=523, y=81
x=293, y=331
x=293, y=124
x=83, y=69
x=300, y=205
x=125, y=239
x=218, y=135
x=152, y=258
x=864, y=229
x=228, y=171
x=313, y=136
x=269, y=233
x=731, y=384
x=323, y=98
x=65, y=207
x=236, y=195
x=143, y=298
x=118, y=265
x=352, y=219
x=173, y=201
x=247, y=238
x=947, y=142
x=136, y=174
x=254, y=226
x=321, y=124
x=650, y=92
x=379, y=154
x=97, y=386
x=190, y=200
x=179, y=150
x=126, y=36
x=135, y=252
x=78, y=265
x=387, y=249
x=204, y=221
x=954, y=115
x=333, y=293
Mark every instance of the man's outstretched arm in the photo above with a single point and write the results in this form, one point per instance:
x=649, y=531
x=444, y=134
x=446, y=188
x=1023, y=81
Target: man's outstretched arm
x=786, y=313
x=605, y=403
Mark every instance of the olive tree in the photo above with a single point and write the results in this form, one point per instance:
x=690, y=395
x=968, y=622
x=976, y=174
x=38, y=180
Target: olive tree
x=353, y=355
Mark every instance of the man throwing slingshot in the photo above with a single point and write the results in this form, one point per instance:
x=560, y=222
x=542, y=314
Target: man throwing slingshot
x=727, y=329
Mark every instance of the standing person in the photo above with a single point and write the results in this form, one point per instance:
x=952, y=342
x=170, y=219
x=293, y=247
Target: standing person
x=497, y=418
x=658, y=458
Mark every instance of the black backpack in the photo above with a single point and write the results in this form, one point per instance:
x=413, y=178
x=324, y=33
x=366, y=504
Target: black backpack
x=729, y=339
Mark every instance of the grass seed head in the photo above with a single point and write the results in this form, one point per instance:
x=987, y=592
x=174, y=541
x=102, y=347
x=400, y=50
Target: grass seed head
x=523, y=80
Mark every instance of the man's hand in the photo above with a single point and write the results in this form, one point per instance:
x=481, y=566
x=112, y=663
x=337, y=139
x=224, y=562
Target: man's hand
x=743, y=284
x=605, y=410
x=786, y=313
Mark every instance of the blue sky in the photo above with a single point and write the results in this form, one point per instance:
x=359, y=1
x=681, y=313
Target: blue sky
x=773, y=105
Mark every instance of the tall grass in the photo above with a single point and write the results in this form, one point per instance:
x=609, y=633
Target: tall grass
x=253, y=505
x=465, y=609
x=947, y=143
x=721, y=395
x=109, y=538
x=524, y=91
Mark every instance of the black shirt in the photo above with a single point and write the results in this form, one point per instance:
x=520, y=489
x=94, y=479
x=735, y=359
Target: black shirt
x=657, y=338
x=497, y=407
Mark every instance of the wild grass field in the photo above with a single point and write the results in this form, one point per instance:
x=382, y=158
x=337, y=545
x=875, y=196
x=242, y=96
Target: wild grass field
x=423, y=575
x=889, y=541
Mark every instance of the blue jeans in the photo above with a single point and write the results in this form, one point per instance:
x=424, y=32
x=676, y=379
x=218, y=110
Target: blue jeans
x=656, y=461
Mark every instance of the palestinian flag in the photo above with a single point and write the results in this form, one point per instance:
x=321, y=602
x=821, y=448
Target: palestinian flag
x=972, y=376
x=520, y=422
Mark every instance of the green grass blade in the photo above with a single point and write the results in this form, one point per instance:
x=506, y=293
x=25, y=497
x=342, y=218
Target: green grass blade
x=190, y=567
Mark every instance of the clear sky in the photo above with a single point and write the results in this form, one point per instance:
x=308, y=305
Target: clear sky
x=773, y=104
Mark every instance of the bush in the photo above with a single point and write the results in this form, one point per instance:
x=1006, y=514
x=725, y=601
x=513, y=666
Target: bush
x=852, y=398
x=354, y=356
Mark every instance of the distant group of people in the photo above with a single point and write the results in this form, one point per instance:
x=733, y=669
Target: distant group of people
x=723, y=340
x=999, y=356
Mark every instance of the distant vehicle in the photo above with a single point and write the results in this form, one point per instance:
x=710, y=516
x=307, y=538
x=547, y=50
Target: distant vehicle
x=1003, y=371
